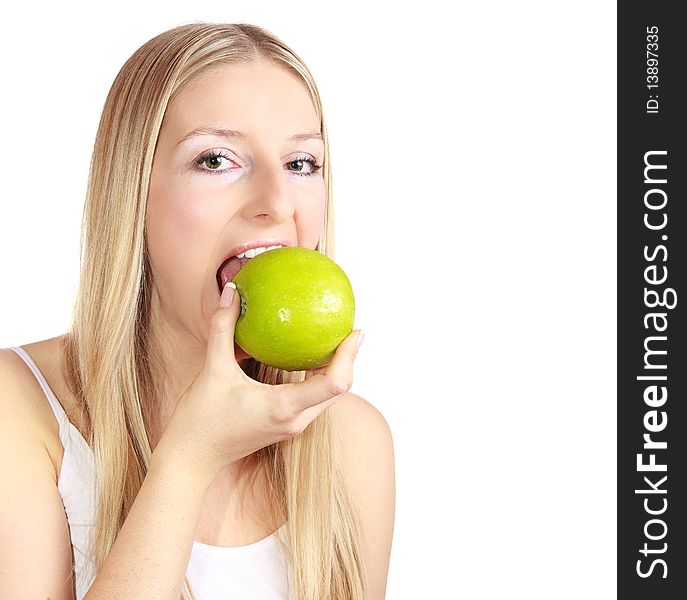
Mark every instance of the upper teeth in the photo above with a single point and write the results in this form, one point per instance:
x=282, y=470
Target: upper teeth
x=253, y=252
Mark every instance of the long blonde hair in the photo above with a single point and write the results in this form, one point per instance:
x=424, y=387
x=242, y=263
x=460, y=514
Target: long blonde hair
x=109, y=365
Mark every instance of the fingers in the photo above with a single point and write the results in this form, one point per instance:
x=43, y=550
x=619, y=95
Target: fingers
x=327, y=382
x=340, y=368
x=220, y=347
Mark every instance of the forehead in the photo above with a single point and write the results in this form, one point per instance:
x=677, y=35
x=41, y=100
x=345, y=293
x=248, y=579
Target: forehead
x=250, y=97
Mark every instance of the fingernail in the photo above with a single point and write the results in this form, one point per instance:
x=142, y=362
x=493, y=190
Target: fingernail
x=359, y=341
x=227, y=294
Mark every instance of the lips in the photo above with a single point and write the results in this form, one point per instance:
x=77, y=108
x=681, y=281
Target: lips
x=232, y=264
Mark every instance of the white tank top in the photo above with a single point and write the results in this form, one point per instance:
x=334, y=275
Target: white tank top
x=253, y=572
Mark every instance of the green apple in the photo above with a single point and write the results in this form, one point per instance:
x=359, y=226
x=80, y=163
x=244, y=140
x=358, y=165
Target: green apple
x=297, y=306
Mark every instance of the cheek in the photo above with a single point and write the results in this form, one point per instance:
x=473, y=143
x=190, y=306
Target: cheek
x=310, y=219
x=178, y=231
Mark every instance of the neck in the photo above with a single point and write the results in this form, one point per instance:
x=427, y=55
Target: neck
x=175, y=359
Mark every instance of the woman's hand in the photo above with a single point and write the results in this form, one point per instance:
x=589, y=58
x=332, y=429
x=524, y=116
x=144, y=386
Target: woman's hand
x=224, y=415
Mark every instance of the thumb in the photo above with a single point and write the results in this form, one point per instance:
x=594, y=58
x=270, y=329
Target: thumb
x=220, y=348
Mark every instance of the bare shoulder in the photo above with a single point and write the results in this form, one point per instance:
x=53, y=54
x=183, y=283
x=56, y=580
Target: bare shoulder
x=355, y=416
x=365, y=445
x=17, y=386
x=24, y=407
x=9, y=363
x=364, y=438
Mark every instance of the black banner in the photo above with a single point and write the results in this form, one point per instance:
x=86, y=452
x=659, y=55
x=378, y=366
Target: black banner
x=652, y=298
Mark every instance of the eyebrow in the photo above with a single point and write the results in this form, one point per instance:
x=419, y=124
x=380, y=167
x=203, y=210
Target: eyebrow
x=232, y=133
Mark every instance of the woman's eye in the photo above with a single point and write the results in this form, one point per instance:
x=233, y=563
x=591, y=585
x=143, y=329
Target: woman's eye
x=304, y=166
x=214, y=161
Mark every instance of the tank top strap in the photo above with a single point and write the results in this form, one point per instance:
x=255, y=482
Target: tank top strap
x=60, y=413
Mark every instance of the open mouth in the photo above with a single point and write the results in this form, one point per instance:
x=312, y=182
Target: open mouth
x=232, y=265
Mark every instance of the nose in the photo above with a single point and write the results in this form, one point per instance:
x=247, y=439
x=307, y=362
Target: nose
x=269, y=196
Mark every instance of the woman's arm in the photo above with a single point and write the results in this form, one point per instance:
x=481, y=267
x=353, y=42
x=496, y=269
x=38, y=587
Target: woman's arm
x=35, y=549
x=151, y=553
x=366, y=445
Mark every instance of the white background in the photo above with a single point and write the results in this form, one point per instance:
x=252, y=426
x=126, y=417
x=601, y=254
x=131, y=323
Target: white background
x=474, y=169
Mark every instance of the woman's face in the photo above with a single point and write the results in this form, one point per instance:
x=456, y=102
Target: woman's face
x=235, y=162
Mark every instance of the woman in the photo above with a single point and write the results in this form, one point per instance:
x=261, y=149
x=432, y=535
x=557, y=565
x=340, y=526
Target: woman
x=175, y=453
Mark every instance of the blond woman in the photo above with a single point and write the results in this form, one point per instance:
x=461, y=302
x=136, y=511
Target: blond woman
x=144, y=454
